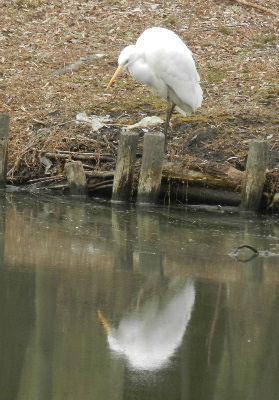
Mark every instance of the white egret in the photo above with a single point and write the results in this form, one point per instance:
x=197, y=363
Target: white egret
x=162, y=61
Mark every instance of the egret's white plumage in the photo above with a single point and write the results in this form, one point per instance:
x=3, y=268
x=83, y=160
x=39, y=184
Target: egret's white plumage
x=162, y=61
x=149, y=336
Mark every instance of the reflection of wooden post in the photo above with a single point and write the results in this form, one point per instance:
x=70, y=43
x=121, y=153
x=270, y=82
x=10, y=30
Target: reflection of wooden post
x=150, y=251
x=2, y=231
x=4, y=136
x=122, y=230
x=46, y=291
x=151, y=169
x=255, y=175
x=126, y=156
x=76, y=178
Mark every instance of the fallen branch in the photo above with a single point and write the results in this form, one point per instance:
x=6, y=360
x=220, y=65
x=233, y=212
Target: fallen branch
x=76, y=65
x=247, y=246
x=84, y=156
x=61, y=186
x=258, y=7
x=100, y=174
x=244, y=257
x=47, y=179
x=101, y=185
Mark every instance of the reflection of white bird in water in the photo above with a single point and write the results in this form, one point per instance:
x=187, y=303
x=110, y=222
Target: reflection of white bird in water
x=149, y=337
x=162, y=61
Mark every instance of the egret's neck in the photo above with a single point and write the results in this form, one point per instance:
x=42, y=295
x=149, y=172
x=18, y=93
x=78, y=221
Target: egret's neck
x=140, y=70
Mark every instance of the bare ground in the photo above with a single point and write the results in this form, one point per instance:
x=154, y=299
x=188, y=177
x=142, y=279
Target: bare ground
x=49, y=74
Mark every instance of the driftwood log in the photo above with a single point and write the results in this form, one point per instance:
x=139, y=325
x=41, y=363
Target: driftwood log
x=218, y=185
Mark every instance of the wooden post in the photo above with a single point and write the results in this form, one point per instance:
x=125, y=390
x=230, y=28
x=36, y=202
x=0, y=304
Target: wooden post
x=255, y=175
x=125, y=164
x=4, y=137
x=151, y=169
x=76, y=178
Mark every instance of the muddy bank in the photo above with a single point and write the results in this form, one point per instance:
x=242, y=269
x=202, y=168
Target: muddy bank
x=57, y=59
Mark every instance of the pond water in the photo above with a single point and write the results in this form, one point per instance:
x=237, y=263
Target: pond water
x=106, y=302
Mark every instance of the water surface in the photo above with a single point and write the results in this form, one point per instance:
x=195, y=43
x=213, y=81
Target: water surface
x=108, y=302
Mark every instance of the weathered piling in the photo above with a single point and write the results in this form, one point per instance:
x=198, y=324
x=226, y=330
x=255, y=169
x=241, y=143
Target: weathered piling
x=4, y=137
x=151, y=169
x=255, y=175
x=76, y=178
x=125, y=164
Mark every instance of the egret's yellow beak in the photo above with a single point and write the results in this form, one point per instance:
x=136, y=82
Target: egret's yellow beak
x=104, y=321
x=115, y=75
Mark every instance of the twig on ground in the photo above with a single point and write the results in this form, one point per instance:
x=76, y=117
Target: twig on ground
x=258, y=7
x=80, y=156
x=76, y=65
x=47, y=178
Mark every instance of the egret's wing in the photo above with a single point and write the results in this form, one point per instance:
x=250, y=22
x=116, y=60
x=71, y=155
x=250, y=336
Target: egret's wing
x=173, y=64
x=177, y=70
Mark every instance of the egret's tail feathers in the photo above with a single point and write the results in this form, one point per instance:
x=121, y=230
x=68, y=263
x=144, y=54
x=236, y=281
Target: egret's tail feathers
x=189, y=100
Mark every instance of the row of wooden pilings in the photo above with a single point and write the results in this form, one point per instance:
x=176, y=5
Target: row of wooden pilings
x=149, y=186
x=151, y=169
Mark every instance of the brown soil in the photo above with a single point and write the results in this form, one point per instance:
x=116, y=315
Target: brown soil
x=236, y=48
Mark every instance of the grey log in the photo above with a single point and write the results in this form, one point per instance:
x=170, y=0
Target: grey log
x=255, y=175
x=4, y=137
x=151, y=169
x=76, y=178
x=125, y=164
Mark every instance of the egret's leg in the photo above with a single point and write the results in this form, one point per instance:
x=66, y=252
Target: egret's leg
x=168, y=117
